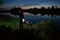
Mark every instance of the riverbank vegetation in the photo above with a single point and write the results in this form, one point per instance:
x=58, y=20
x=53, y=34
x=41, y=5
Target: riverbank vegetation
x=44, y=30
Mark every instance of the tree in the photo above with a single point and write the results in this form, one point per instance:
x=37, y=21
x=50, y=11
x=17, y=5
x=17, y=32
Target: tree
x=34, y=11
x=1, y=2
x=52, y=7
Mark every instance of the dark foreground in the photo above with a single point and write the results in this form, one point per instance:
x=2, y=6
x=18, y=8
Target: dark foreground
x=6, y=33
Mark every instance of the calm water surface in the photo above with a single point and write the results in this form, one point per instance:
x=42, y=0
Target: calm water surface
x=37, y=18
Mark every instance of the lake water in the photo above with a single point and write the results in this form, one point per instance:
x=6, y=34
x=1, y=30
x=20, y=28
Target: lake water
x=37, y=18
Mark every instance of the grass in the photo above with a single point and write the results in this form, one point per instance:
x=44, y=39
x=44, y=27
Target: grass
x=14, y=23
x=39, y=29
x=9, y=22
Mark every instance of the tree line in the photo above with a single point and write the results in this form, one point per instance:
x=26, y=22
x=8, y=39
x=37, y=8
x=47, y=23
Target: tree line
x=43, y=10
x=49, y=11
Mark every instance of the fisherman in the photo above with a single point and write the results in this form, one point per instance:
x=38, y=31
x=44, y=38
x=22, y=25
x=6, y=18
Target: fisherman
x=18, y=11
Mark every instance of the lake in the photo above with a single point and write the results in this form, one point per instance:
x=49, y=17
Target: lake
x=37, y=18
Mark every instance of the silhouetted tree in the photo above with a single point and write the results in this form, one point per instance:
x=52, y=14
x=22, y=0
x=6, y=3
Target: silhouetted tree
x=52, y=7
x=1, y=2
x=34, y=11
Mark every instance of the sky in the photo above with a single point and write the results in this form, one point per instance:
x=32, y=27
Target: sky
x=23, y=3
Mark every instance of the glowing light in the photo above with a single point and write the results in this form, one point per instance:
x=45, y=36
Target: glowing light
x=23, y=20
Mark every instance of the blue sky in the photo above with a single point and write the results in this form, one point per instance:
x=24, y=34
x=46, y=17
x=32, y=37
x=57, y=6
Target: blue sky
x=30, y=2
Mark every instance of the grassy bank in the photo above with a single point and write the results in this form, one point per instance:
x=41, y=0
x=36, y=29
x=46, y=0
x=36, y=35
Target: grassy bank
x=44, y=30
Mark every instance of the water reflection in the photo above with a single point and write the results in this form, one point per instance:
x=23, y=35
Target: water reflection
x=37, y=18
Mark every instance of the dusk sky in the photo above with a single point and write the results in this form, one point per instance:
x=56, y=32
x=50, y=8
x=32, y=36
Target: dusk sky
x=21, y=3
